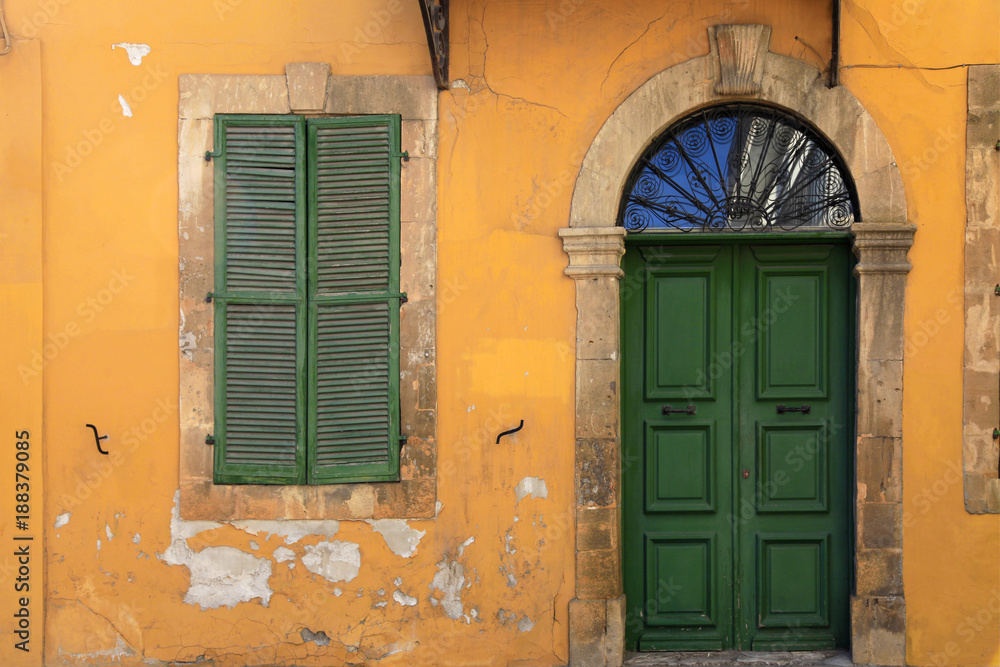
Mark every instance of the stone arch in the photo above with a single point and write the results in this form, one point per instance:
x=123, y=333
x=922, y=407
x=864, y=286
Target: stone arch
x=739, y=67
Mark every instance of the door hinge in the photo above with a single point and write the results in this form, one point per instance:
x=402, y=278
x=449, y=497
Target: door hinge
x=209, y=439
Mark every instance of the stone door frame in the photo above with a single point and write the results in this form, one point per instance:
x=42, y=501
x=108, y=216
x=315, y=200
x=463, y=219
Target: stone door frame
x=739, y=68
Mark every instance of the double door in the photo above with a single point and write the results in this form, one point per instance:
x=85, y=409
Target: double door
x=737, y=369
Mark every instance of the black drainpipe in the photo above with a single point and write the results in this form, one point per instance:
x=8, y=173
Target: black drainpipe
x=835, y=51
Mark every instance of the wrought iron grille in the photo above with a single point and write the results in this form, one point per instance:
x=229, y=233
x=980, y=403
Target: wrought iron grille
x=738, y=167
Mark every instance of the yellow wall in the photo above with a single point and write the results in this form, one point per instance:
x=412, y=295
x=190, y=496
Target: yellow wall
x=542, y=78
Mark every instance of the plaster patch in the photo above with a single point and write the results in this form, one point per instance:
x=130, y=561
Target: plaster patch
x=107, y=531
x=531, y=485
x=63, y=519
x=404, y=599
x=220, y=576
x=126, y=109
x=254, y=546
x=437, y=508
x=135, y=51
x=399, y=537
x=525, y=624
x=136, y=538
x=398, y=581
x=292, y=531
x=281, y=554
x=449, y=580
x=337, y=592
x=334, y=561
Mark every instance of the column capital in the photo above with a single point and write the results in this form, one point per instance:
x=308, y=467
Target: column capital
x=881, y=246
x=594, y=252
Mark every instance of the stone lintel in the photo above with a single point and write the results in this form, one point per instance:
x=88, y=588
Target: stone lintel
x=593, y=251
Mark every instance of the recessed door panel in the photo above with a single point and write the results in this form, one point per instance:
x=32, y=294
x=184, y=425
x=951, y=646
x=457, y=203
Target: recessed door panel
x=680, y=467
x=793, y=580
x=792, y=348
x=792, y=467
x=681, y=343
x=681, y=578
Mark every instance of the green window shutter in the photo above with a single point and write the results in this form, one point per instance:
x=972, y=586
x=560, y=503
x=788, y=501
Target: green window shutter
x=260, y=308
x=354, y=299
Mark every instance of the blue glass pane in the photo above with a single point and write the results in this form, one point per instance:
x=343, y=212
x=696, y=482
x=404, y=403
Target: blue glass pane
x=735, y=168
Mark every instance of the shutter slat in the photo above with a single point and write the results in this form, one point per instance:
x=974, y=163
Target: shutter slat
x=261, y=392
x=352, y=179
x=261, y=210
x=353, y=418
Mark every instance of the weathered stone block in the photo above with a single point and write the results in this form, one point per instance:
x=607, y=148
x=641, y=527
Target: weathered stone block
x=412, y=499
x=417, y=191
x=204, y=95
x=412, y=97
x=879, y=469
x=880, y=572
x=597, y=399
x=307, y=86
x=587, y=626
x=597, y=333
x=596, y=528
x=615, y=633
x=881, y=526
x=419, y=138
x=597, y=472
x=598, y=574
x=880, y=398
x=881, y=315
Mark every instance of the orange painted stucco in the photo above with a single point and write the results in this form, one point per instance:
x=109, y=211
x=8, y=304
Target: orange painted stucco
x=533, y=83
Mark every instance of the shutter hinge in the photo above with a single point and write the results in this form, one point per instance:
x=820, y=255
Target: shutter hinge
x=996, y=290
x=209, y=155
x=208, y=297
x=403, y=298
x=405, y=155
x=209, y=439
x=403, y=439
x=996, y=433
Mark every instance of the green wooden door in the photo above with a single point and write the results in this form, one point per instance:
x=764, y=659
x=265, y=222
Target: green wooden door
x=736, y=463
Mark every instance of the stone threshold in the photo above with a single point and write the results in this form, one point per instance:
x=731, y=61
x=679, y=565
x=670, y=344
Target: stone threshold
x=740, y=658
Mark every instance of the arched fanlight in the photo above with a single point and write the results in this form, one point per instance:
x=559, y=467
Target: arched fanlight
x=738, y=167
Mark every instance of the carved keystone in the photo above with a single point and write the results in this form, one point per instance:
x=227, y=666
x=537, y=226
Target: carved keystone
x=307, y=86
x=740, y=50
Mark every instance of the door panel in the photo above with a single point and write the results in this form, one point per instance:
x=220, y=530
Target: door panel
x=677, y=535
x=736, y=510
x=794, y=552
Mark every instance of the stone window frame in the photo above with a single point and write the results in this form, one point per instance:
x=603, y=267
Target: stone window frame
x=981, y=374
x=308, y=89
x=739, y=67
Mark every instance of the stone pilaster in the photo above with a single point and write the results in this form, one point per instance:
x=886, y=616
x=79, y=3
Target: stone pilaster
x=878, y=610
x=597, y=612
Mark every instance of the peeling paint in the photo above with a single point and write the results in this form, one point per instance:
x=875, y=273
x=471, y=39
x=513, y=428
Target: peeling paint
x=126, y=109
x=254, y=546
x=399, y=537
x=525, y=624
x=292, y=531
x=281, y=554
x=135, y=52
x=449, y=581
x=334, y=561
x=319, y=638
x=136, y=538
x=107, y=531
x=404, y=599
x=220, y=576
x=461, y=547
x=398, y=581
x=63, y=519
x=531, y=485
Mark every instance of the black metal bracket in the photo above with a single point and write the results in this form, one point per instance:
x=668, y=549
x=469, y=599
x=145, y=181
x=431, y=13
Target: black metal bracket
x=435, y=13
x=513, y=430
x=689, y=410
x=805, y=409
x=98, y=438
